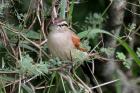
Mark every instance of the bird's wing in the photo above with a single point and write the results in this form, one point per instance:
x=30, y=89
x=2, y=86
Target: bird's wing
x=76, y=42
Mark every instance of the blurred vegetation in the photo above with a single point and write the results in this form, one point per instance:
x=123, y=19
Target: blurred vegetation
x=26, y=65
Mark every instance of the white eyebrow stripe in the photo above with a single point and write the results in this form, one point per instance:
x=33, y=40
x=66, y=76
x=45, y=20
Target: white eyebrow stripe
x=62, y=23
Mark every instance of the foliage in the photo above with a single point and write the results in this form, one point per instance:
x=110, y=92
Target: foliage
x=138, y=52
x=26, y=65
x=122, y=57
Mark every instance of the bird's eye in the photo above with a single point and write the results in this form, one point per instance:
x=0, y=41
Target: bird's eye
x=62, y=25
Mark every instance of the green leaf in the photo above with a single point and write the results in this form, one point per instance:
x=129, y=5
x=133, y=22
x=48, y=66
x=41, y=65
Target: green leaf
x=79, y=56
x=130, y=51
x=32, y=35
x=26, y=46
x=27, y=88
x=6, y=78
x=89, y=33
x=121, y=56
x=1, y=45
x=29, y=68
x=107, y=51
x=41, y=68
x=138, y=52
x=25, y=63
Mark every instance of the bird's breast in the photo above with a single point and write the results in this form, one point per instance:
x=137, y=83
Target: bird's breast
x=60, y=44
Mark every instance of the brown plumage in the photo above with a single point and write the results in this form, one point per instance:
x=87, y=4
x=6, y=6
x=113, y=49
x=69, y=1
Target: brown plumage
x=62, y=41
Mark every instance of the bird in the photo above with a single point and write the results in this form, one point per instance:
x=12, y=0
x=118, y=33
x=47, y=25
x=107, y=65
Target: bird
x=63, y=42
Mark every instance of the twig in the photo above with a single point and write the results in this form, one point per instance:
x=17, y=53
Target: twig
x=54, y=13
x=43, y=42
x=13, y=82
x=69, y=80
x=11, y=72
x=32, y=24
x=105, y=83
x=132, y=12
x=97, y=56
x=19, y=85
x=137, y=5
x=90, y=91
x=19, y=33
x=30, y=79
x=42, y=87
x=7, y=43
x=32, y=87
x=92, y=73
x=63, y=83
x=95, y=47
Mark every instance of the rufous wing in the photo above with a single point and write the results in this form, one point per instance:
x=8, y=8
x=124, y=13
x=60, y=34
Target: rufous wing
x=76, y=42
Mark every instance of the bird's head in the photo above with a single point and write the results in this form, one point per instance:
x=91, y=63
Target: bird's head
x=57, y=25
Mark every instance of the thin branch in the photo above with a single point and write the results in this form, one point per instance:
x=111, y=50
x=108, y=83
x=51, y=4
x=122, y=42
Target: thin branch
x=132, y=12
x=105, y=83
x=42, y=87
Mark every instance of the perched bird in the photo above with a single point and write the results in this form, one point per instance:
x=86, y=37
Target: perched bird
x=63, y=42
